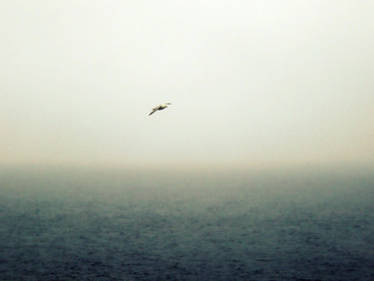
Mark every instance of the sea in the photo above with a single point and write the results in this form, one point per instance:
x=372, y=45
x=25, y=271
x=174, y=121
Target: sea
x=80, y=223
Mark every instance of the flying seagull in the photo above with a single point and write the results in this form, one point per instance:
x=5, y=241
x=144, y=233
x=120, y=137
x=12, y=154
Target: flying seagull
x=159, y=107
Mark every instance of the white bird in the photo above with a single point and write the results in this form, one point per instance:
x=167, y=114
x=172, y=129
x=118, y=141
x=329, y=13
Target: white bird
x=159, y=107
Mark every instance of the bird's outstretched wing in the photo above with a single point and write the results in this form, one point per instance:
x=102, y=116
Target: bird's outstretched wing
x=154, y=109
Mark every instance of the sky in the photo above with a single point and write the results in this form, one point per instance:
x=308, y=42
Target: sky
x=250, y=82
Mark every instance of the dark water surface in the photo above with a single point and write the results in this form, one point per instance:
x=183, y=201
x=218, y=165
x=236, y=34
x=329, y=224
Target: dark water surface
x=81, y=224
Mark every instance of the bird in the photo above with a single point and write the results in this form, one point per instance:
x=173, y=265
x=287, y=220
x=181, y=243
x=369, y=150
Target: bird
x=159, y=107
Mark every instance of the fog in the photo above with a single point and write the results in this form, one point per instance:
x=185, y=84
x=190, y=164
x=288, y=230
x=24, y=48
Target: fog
x=250, y=82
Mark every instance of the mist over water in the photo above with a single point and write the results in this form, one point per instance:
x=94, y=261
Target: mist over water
x=105, y=224
x=249, y=81
x=261, y=169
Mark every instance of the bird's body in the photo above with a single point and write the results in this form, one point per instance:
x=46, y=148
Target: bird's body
x=159, y=107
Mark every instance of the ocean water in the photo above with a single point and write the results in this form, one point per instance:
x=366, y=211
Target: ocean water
x=92, y=224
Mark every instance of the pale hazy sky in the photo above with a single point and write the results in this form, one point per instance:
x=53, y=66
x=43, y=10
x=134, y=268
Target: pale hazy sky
x=251, y=82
